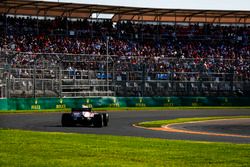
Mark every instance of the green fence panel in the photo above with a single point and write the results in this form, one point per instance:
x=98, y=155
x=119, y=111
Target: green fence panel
x=20, y=104
x=3, y=104
x=234, y=101
x=194, y=101
x=172, y=101
x=97, y=102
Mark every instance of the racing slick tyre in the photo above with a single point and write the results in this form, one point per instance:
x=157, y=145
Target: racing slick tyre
x=105, y=119
x=98, y=120
x=67, y=120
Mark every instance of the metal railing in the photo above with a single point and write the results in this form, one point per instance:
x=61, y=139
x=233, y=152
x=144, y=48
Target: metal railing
x=49, y=79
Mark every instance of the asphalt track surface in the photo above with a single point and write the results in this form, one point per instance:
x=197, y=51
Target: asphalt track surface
x=121, y=124
x=239, y=126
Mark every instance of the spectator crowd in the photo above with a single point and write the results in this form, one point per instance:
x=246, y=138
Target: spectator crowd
x=160, y=48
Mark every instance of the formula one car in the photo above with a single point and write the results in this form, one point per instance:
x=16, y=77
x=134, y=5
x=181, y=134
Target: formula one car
x=84, y=117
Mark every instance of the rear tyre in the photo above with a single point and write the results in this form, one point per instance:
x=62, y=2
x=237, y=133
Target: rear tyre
x=98, y=120
x=67, y=120
x=105, y=119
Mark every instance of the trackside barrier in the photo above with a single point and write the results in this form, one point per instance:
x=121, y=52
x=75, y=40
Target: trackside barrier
x=4, y=104
x=97, y=102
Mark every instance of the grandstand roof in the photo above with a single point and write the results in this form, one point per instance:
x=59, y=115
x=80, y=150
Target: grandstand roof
x=42, y=8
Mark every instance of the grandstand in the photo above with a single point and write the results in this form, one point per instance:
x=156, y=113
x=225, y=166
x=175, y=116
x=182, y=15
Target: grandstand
x=54, y=49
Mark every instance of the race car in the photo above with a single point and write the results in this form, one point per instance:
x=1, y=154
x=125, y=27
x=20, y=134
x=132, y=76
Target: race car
x=84, y=117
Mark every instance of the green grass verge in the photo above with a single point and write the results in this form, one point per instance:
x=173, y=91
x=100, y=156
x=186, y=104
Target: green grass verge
x=154, y=124
x=25, y=148
x=132, y=109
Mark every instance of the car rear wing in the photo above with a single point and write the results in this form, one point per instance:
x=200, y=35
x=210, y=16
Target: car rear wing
x=81, y=109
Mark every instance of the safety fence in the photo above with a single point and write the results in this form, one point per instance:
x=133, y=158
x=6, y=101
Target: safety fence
x=116, y=102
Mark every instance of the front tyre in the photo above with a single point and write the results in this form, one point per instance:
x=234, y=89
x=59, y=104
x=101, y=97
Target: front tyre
x=105, y=119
